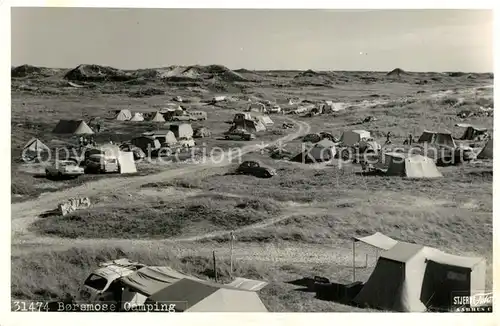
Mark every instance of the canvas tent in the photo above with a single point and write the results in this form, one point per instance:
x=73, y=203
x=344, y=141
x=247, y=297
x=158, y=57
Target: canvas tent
x=334, y=106
x=487, y=151
x=328, y=144
x=197, y=296
x=265, y=120
x=471, y=132
x=163, y=136
x=248, y=125
x=314, y=155
x=141, y=284
x=146, y=143
x=241, y=117
x=126, y=162
x=124, y=115
x=182, y=130
x=153, y=284
x=412, y=278
x=443, y=138
x=137, y=117
x=409, y=166
x=75, y=127
x=247, y=122
x=35, y=146
x=157, y=117
x=257, y=107
x=352, y=137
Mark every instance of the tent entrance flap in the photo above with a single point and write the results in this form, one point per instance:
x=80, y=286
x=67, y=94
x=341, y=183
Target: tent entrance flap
x=442, y=282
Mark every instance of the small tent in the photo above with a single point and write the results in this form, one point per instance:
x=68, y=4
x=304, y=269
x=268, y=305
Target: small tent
x=126, y=162
x=314, y=155
x=487, y=151
x=137, y=117
x=412, y=278
x=331, y=106
x=35, y=146
x=471, y=132
x=414, y=166
x=157, y=117
x=34, y=150
x=442, y=138
x=146, y=143
x=251, y=125
x=266, y=120
x=325, y=143
x=75, y=127
x=182, y=130
x=257, y=107
x=241, y=117
x=200, y=296
x=352, y=137
x=124, y=115
x=163, y=136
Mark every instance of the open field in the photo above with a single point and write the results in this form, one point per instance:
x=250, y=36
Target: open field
x=296, y=224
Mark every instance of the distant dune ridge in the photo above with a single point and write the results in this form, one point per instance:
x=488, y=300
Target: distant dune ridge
x=32, y=71
x=214, y=78
x=397, y=72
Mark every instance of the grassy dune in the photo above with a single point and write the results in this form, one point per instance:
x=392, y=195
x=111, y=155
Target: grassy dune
x=140, y=218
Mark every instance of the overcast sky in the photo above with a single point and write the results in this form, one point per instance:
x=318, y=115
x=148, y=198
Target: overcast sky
x=414, y=40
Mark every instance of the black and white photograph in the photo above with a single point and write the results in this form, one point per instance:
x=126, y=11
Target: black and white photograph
x=170, y=160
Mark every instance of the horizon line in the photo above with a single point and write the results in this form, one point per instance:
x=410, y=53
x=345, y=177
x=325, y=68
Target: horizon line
x=256, y=70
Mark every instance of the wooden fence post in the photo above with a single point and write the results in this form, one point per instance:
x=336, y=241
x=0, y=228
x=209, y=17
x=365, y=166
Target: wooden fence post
x=215, y=266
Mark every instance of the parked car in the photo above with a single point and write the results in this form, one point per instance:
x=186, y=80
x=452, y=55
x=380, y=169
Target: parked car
x=186, y=143
x=101, y=283
x=192, y=116
x=239, y=134
x=99, y=163
x=64, y=168
x=255, y=169
x=275, y=109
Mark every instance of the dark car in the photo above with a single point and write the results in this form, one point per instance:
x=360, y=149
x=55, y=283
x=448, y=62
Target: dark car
x=239, y=134
x=255, y=169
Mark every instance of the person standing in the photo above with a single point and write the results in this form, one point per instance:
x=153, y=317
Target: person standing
x=388, y=138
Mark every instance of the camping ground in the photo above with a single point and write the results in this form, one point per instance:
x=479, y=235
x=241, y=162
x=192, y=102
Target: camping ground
x=296, y=224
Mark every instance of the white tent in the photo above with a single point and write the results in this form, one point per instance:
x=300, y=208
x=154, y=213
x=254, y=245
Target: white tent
x=266, y=120
x=137, y=117
x=410, y=166
x=124, y=115
x=257, y=107
x=353, y=137
x=157, y=117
